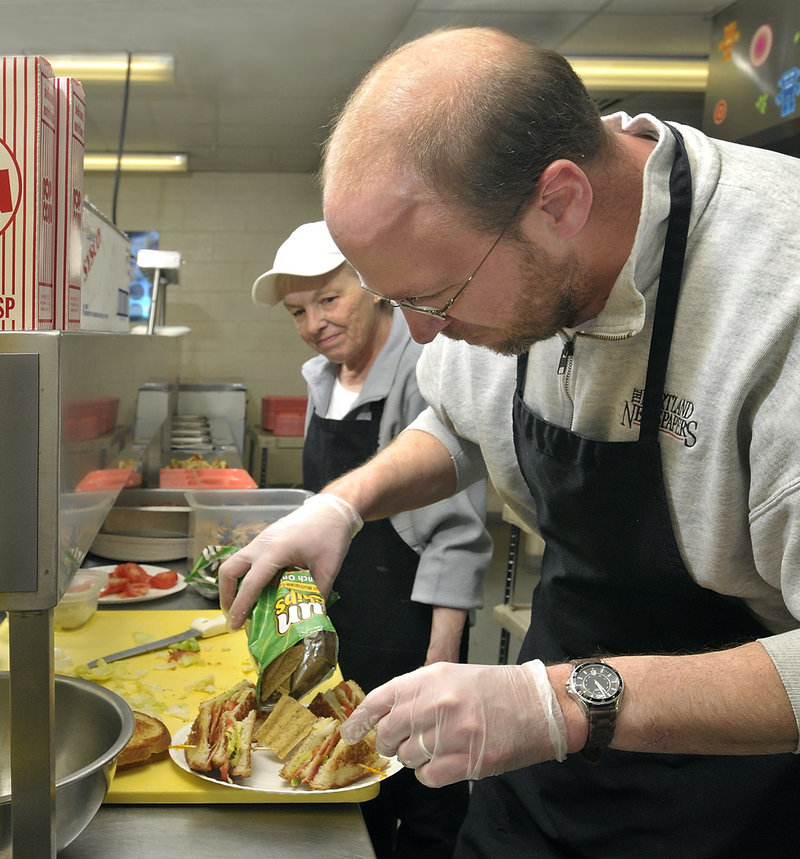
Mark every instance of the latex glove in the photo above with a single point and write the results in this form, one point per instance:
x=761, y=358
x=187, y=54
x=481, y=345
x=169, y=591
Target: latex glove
x=316, y=537
x=451, y=722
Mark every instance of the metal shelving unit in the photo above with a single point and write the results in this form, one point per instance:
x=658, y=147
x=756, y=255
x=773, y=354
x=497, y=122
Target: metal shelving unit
x=46, y=527
x=525, y=547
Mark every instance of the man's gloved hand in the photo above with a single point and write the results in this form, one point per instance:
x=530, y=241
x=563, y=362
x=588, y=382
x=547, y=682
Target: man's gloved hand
x=316, y=537
x=451, y=722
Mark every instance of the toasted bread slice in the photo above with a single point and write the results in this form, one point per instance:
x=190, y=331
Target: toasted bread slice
x=339, y=702
x=287, y=724
x=150, y=742
x=323, y=706
x=198, y=751
x=348, y=764
x=350, y=695
x=241, y=759
x=231, y=754
x=241, y=699
x=308, y=752
x=204, y=735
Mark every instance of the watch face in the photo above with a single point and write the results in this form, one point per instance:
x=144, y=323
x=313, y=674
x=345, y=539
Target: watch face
x=597, y=682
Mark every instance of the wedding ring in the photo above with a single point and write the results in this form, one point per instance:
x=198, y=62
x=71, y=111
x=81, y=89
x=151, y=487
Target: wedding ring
x=422, y=747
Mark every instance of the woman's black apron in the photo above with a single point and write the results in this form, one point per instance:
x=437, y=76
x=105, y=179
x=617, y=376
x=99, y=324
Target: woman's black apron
x=613, y=582
x=382, y=633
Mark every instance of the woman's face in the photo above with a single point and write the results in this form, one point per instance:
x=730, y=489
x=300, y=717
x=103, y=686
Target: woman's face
x=333, y=314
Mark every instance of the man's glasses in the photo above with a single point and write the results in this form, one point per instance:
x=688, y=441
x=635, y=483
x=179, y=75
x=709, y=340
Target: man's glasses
x=438, y=313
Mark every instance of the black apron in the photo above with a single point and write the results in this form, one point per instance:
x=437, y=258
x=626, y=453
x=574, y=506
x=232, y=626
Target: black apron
x=382, y=633
x=613, y=582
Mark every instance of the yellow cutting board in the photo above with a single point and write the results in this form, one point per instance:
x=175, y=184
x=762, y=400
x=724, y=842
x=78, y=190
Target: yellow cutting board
x=226, y=661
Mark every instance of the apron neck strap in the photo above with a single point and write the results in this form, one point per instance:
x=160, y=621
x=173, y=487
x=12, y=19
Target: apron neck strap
x=669, y=285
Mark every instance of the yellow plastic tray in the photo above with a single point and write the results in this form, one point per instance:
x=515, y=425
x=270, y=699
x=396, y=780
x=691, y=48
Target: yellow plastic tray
x=226, y=660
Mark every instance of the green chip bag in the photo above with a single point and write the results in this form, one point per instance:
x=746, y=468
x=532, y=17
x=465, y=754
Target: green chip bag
x=291, y=638
x=204, y=575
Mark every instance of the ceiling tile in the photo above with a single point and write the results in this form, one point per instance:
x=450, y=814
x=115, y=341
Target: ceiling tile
x=257, y=81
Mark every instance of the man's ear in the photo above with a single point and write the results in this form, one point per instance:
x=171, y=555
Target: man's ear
x=563, y=199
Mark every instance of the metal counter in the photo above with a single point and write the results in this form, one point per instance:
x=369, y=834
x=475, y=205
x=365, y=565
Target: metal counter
x=168, y=831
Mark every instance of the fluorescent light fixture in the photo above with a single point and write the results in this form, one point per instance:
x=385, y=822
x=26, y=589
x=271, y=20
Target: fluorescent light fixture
x=174, y=163
x=641, y=74
x=110, y=68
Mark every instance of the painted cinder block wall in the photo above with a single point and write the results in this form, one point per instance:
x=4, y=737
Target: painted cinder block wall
x=227, y=227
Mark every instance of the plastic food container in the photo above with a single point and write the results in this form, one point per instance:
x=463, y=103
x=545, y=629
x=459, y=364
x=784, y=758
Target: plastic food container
x=232, y=517
x=79, y=602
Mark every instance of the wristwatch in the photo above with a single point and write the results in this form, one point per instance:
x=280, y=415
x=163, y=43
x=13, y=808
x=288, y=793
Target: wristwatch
x=598, y=688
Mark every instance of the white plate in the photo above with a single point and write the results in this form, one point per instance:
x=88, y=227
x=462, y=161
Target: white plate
x=266, y=767
x=152, y=594
x=139, y=548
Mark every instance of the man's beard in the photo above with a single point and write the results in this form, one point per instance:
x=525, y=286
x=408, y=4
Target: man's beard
x=552, y=294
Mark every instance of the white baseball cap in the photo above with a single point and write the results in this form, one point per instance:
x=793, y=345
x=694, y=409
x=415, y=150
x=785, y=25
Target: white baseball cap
x=309, y=251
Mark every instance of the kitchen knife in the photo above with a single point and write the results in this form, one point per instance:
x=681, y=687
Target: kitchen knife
x=202, y=627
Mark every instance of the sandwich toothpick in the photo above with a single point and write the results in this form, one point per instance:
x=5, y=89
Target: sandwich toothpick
x=380, y=773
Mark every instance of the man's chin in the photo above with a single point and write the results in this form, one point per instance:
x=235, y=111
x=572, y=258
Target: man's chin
x=472, y=336
x=491, y=340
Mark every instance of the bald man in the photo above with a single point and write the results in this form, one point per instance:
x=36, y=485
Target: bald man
x=610, y=308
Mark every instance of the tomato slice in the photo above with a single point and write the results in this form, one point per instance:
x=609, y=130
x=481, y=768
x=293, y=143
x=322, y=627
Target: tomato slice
x=114, y=586
x=132, y=572
x=136, y=589
x=164, y=580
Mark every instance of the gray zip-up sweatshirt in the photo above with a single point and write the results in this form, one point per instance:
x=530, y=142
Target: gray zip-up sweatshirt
x=730, y=432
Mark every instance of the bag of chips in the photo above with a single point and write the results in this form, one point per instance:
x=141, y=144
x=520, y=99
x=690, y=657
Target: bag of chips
x=204, y=575
x=291, y=638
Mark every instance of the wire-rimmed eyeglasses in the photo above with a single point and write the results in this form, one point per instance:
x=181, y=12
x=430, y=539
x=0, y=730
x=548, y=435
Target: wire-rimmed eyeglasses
x=438, y=313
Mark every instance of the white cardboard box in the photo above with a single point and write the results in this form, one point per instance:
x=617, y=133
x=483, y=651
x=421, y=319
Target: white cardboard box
x=69, y=205
x=28, y=117
x=105, y=286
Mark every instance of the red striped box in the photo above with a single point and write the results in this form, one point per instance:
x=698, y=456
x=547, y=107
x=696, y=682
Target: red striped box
x=69, y=203
x=28, y=119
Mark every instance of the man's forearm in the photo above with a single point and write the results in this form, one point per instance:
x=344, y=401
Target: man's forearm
x=414, y=470
x=727, y=702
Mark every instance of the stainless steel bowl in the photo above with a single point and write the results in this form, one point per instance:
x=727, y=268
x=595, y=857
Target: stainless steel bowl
x=92, y=725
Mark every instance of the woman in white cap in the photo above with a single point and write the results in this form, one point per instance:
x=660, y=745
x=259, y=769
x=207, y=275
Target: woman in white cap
x=408, y=583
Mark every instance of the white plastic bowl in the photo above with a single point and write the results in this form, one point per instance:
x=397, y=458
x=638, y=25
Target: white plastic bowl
x=79, y=602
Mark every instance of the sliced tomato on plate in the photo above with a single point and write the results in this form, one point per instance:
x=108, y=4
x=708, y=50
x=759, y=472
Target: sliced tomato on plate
x=132, y=580
x=132, y=572
x=115, y=585
x=136, y=589
x=164, y=580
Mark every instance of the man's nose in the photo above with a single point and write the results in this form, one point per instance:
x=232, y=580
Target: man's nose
x=423, y=328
